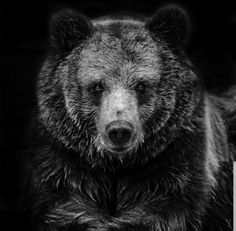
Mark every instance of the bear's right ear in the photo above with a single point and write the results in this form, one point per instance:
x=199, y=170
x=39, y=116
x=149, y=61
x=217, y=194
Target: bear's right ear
x=68, y=29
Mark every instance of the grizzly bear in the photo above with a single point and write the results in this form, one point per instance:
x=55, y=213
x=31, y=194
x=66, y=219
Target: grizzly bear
x=125, y=136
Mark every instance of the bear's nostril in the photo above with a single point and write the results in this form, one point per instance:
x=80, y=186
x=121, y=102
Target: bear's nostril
x=120, y=133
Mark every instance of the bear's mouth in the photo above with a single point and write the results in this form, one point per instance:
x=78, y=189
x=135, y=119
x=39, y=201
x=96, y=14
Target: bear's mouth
x=120, y=149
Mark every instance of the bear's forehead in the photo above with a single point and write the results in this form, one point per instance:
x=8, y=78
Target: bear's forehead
x=125, y=38
x=119, y=50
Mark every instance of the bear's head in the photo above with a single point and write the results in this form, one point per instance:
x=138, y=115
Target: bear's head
x=117, y=88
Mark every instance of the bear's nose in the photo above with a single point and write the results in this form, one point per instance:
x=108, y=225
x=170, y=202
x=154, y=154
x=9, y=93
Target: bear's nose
x=120, y=132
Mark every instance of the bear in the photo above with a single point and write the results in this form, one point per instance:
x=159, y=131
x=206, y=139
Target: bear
x=125, y=137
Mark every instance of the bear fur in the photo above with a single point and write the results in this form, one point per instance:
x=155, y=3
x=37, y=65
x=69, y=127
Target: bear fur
x=172, y=168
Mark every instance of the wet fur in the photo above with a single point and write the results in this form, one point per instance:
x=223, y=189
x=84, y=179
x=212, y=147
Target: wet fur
x=178, y=176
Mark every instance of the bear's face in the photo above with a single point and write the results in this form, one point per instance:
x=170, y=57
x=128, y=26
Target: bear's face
x=121, y=84
x=118, y=78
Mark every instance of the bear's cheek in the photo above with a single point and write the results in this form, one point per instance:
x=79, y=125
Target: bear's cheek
x=150, y=103
x=157, y=111
x=147, y=109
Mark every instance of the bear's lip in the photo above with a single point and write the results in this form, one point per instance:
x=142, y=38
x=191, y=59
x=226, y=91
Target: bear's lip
x=120, y=149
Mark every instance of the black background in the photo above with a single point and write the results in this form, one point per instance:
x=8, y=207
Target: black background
x=23, y=33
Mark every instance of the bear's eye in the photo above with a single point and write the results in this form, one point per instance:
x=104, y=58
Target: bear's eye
x=141, y=87
x=96, y=88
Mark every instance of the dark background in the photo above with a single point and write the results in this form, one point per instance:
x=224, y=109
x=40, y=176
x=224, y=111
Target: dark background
x=23, y=34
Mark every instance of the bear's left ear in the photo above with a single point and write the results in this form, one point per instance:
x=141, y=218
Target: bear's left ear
x=170, y=24
x=67, y=29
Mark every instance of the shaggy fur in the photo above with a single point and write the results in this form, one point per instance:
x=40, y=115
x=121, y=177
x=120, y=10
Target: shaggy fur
x=176, y=173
